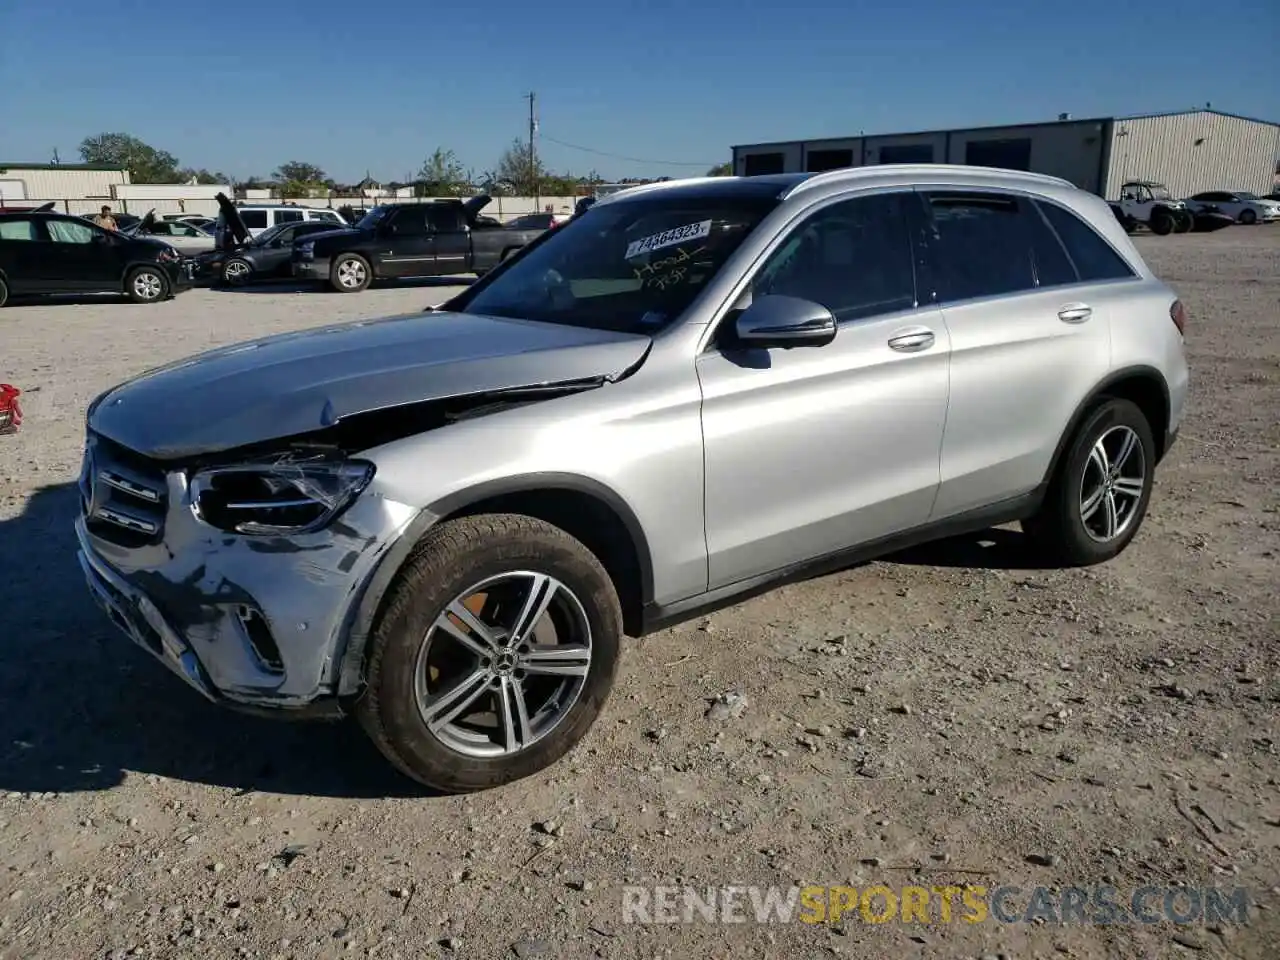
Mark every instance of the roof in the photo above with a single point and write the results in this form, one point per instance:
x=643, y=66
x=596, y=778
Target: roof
x=784, y=185
x=1183, y=113
x=1007, y=126
x=109, y=167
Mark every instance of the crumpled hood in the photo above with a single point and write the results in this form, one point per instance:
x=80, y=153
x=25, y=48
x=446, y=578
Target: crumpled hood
x=297, y=383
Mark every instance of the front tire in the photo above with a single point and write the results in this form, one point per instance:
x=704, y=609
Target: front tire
x=4, y=292
x=350, y=273
x=146, y=285
x=497, y=650
x=1161, y=222
x=237, y=272
x=1248, y=217
x=1185, y=221
x=1098, y=497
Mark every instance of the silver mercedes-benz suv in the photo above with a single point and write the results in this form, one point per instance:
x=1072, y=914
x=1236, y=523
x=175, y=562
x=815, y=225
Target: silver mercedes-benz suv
x=445, y=522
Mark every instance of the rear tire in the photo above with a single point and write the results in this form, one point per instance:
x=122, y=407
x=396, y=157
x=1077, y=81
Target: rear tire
x=1161, y=222
x=4, y=292
x=146, y=285
x=350, y=273
x=478, y=563
x=1098, y=497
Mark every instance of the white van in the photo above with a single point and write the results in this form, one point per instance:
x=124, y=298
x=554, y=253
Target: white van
x=259, y=217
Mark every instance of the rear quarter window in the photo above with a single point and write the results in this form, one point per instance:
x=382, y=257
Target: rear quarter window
x=1094, y=258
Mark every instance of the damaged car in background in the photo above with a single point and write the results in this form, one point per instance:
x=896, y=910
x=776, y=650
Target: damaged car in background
x=445, y=523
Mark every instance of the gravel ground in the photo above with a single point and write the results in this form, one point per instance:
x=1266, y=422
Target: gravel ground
x=948, y=716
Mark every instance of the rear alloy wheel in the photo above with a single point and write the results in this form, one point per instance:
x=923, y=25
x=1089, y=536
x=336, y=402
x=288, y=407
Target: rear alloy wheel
x=237, y=272
x=496, y=653
x=1248, y=217
x=1098, y=498
x=350, y=273
x=146, y=285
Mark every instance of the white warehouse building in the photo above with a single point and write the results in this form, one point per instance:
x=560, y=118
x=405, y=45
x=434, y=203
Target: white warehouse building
x=1189, y=152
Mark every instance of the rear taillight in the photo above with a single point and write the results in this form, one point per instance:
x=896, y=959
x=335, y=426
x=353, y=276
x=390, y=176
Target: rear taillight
x=1178, y=314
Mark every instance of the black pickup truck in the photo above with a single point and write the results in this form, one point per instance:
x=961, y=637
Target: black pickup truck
x=400, y=240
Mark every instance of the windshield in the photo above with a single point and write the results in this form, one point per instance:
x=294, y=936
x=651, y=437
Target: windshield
x=1159, y=192
x=266, y=236
x=373, y=218
x=631, y=266
x=1246, y=195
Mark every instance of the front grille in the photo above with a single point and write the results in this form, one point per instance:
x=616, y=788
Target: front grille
x=123, y=495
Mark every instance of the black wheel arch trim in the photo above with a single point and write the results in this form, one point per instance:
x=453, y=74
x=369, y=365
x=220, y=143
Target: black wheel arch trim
x=1159, y=431
x=360, y=624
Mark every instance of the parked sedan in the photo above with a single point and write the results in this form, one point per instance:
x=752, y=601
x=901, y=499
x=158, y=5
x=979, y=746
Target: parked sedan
x=264, y=257
x=186, y=239
x=1240, y=205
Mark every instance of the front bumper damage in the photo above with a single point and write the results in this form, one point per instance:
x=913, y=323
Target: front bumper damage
x=259, y=623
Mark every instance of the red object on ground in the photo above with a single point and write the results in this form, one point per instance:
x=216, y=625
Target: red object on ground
x=10, y=411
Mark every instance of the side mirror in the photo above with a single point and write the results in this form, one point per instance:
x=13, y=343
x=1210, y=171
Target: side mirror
x=778, y=321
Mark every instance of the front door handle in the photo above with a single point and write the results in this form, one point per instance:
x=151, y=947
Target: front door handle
x=912, y=339
x=1075, y=313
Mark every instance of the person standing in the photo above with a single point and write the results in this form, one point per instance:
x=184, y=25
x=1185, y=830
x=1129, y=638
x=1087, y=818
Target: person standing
x=105, y=219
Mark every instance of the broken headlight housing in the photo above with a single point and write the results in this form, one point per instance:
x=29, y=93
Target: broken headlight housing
x=282, y=497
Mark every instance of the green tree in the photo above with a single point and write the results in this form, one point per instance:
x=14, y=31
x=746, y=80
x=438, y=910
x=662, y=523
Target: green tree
x=203, y=176
x=523, y=172
x=145, y=163
x=297, y=178
x=721, y=170
x=442, y=175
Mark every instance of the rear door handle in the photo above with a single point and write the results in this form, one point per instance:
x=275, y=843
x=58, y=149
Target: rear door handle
x=1075, y=313
x=912, y=339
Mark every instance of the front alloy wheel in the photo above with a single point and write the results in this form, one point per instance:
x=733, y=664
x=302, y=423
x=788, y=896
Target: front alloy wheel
x=495, y=652
x=503, y=664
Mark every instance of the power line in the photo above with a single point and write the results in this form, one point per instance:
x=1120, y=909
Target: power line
x=619, y=156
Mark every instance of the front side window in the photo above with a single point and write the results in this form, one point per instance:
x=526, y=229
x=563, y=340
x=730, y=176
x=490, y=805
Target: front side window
x=288, y=216
x=631, y=265
x=1093, y=257
x=68, y=231
x=410, y=221
x=988, y=244
x=855, y=257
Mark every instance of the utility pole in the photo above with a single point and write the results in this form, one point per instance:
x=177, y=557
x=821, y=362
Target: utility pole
x=533, y=149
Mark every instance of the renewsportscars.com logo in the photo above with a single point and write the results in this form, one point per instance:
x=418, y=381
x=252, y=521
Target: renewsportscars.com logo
x=1097, y=904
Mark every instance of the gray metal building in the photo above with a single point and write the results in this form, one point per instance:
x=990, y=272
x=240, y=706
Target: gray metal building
x=1190, y=151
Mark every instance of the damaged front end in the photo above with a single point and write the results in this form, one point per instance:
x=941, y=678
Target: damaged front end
x=254, y=573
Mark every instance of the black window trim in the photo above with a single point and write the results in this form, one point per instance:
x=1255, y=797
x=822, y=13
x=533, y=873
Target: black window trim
x=1133, y=272
x=709, y=343
x=1035, y=198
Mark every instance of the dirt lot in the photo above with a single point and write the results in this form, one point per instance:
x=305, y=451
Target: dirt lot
x=950, y=716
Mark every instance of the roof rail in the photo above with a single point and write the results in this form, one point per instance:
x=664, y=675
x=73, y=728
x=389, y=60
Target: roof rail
x=920, y=170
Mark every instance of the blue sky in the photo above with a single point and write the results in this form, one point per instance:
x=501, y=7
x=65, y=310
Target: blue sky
x=242, y=88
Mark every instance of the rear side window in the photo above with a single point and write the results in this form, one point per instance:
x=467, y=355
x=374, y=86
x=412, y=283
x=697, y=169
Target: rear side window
x=288, y=216
x=1094, y=257
x=254, y=219
x=986, y=245
x=17, y=230
x=327, y=215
